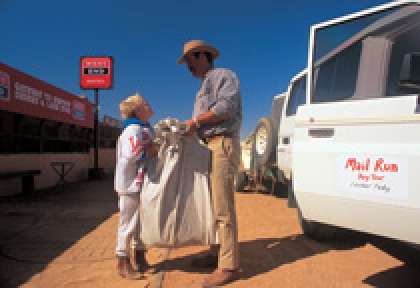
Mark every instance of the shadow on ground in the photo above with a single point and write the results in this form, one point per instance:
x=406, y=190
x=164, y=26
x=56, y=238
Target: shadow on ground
x=260, y=256
x=263, y=255
x=402, y=276
x=279, y=190
x=405, y=275
x=36, y=229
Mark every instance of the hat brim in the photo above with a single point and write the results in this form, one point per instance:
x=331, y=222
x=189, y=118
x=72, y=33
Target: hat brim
x=203, y=48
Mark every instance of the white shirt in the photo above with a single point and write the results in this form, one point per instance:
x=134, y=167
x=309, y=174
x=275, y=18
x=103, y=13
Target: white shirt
x=130, y=154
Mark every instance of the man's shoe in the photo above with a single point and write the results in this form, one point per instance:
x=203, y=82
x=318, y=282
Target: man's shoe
x=206, y=261
x=125, y=270
x=220, y=277
x=141, y=262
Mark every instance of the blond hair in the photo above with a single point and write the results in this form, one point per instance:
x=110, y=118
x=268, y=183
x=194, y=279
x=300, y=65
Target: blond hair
x=128, y=105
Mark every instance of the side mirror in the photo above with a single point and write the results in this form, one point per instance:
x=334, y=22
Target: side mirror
x=410, y=72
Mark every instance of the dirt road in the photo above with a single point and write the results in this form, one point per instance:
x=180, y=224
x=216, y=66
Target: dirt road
x=67, y=239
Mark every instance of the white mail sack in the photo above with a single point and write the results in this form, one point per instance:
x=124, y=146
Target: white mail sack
x=175, y=203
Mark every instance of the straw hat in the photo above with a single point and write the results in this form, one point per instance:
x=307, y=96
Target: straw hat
x=197, y=45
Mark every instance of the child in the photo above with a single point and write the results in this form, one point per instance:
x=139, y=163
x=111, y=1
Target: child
x=134, y=143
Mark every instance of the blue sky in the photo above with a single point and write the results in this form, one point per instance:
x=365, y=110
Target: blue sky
x=264, y=42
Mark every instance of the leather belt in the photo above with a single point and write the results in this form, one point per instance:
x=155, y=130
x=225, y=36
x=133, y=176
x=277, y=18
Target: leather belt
x=209, y=139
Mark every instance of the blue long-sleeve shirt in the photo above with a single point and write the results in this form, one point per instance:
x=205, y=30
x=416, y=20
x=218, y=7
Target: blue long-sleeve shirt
x=220, y=93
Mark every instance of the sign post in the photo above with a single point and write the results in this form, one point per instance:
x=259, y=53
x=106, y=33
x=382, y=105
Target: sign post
x=96, y=73
x=96, y=130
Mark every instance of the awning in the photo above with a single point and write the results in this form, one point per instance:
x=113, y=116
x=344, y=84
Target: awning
x=22, y=93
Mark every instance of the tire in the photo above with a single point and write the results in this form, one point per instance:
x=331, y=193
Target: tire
x=264, y=141
x=276, y=111
x=274, y=188
x=240, y=181
x=270, y=181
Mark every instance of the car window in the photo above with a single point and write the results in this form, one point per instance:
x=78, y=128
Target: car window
x=336, y=78
x=338, y=50
x=297, y=96
x=331, y=37
x=409, y=42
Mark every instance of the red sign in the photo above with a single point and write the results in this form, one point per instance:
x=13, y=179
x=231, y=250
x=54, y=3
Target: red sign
x=21, y=93
x=95, y=72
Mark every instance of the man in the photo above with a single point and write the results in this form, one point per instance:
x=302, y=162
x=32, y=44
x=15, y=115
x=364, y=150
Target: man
x=217, y=119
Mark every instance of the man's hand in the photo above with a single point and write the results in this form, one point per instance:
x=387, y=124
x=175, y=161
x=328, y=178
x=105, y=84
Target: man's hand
x=191, y=126
x=152, y=150
x=205, y=118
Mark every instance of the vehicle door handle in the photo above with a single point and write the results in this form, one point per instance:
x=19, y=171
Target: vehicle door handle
x=321, y=132
x=285, y=140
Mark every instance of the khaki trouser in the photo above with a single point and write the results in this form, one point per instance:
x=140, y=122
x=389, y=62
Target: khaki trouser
x=225, y=162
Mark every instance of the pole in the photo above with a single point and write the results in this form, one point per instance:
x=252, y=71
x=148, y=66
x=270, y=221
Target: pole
x=96, y=128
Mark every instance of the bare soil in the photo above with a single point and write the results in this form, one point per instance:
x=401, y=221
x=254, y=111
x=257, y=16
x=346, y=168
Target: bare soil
x=66, y=239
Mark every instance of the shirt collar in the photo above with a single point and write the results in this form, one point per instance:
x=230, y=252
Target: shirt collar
x=134, y=121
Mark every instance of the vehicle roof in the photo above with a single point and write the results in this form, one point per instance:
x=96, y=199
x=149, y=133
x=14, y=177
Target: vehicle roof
x=281, y=95
x=299, y=75
x=363, y=13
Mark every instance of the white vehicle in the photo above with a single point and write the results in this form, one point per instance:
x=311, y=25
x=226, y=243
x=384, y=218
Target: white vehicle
x=356, y=150
x=296, y=96
x=246, y=148
x=241, y=179
x=258, y=152
x=266, y=154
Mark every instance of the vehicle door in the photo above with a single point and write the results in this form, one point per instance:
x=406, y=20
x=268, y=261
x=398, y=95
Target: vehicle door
x=357, y=142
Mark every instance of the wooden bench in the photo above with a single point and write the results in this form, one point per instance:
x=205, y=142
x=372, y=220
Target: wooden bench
x=27, y=178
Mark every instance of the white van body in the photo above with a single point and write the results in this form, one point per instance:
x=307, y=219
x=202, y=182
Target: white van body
x=356, y=150
x=246, y=147
x=296, y=95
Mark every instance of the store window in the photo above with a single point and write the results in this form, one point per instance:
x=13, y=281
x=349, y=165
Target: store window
x=108, y=136
x=64, y=138
x=28, y=135
x=3, y=92
x=80, y=139
x=24, y=134
x=7, y=132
